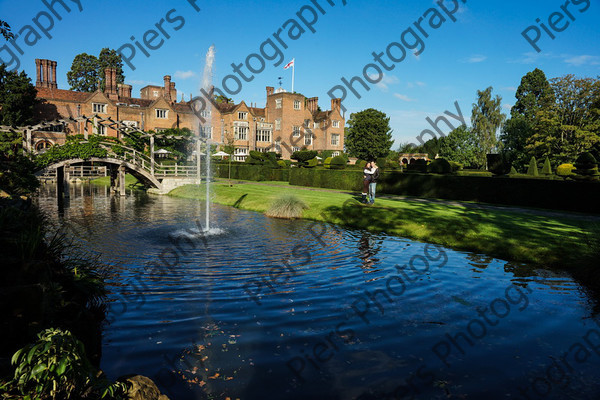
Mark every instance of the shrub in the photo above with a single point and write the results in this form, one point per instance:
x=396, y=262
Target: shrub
x=418, y=166
x=327, y=162
x=497, y=164
x=513, y=171
x=57, y=367
x=361, y=164
x=303, y=156
x=456, y=166
x=533, y=169
x=338, y=162
x=287, y=207
x=282, y=163
x=586, y=168
x=439, y=166
x=311, y=163
x=547, y=168
x=565, y=170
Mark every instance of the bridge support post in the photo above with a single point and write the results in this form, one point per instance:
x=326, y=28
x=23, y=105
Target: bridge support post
x=113, y=178
x=66, y=181
x=122, y=180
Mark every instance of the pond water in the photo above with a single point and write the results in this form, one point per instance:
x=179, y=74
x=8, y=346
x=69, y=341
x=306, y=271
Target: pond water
x=272, y=309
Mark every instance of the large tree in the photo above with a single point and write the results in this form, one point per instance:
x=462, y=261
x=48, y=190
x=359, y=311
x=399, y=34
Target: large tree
x=368, y=135
x=87, y=69
x=534, y=96
x=17, y=97
x=487, y=118
x=5, y=30
x=460, y=146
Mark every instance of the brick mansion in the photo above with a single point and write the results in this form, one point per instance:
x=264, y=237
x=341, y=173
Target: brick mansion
x=288, y=122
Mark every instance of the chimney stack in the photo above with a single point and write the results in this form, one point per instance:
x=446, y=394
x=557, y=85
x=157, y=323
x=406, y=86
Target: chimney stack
x=270, y=90
x=110, y=81
x=336, y=104
x=45, y=71
x=124, y=90
x=167, y=88
x=313, y=104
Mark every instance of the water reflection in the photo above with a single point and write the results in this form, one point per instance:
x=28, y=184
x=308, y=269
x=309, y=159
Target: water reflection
x=194, y=330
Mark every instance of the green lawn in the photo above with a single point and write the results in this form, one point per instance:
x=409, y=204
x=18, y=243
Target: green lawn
x=537, y=240
x=130, y=180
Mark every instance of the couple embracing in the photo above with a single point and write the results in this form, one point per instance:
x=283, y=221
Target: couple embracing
x=371, y=174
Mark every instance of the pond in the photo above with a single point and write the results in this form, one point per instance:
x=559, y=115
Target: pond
x=274, y=309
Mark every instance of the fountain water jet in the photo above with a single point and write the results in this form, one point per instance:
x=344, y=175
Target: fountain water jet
x=207, y=78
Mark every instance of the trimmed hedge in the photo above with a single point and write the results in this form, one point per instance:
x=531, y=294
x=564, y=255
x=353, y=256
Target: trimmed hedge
x=540, y=193
x=252, y=172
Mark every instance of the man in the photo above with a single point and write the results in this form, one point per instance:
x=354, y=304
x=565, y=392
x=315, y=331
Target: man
x=373, y=183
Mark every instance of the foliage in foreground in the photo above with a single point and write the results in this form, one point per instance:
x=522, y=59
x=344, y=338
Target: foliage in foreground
x=56, y=367
x=287, y=206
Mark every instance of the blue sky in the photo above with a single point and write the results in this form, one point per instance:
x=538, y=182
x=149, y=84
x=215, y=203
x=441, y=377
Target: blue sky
x=484, y=47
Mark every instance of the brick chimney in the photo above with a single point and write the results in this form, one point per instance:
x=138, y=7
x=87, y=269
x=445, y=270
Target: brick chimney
x=270, y=90
x=110, y=81
x=167, y=87
x=45, y=71
x=336, y=104
x=312, y=104
x=124, y=90
x=173, y=92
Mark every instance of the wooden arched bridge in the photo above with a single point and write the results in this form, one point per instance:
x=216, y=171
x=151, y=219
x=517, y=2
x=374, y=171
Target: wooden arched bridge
x=160, y=177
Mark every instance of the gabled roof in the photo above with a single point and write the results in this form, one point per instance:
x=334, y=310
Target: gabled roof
x=65, y=95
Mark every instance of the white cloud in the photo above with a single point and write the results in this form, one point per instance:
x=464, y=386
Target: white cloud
x=578, y=61
x=403, y=97
x=475, y=59
x=184, y=74
x=415, y=84
x=507, y=106
x=385, y=81
x=141, y=82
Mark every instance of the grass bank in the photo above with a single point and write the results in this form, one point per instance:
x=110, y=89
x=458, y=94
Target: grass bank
x=130, y=180
x=540, y=240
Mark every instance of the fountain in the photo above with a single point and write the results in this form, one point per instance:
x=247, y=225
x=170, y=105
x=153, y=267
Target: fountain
x=207, y=78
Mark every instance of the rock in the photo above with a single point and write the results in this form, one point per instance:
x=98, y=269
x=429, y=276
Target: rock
x=142, y=388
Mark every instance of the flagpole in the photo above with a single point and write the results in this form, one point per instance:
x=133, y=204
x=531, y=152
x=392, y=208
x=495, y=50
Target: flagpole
x=293, y=73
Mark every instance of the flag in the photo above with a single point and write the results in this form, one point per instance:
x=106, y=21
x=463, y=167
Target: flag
x=290, y=64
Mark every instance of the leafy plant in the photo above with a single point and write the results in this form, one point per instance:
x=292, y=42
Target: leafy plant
x=303, y=156
x=56, y=367
x=439, y=166
x=286, y=207
x=547, y=168
x=533, y=169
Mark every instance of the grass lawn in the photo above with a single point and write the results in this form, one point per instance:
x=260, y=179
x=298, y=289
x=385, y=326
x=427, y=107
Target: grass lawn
x=130, y=180
x=537, y=240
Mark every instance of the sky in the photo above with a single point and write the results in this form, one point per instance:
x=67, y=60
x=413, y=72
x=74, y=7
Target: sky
x=479, y=45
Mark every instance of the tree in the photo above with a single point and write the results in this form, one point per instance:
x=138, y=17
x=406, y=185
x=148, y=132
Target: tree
x=459, y=146
x=534, y=96
x=109, y=58
x=223, y=99
x=83, y=76
x=486, y=119
x=368, y=135
x=6, y=31
x=17, y=97
x=87, y=69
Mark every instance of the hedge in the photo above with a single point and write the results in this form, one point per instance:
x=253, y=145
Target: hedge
x=252, y=172
x=541, y=193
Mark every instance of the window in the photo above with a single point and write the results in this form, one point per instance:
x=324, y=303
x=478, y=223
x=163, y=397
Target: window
x=155, y=93
x=335, y=154
x=205, y=114
x=240, y=131
x=263, y=135
x=296, y=131
x=133, y=124
x=307, y=123
x=242, y=115
x=296, y=104
x=161, y=113
x=100, y=129
x=261, y=149
x=335, y=123
x=206, y=131
x=278, y=124
x=295, y=149
x=158, y=130
x=278, y=103
x=277, y=146
x=335, y=139
x=316, y=125
x=307, y=139
x=99, y=108
x=240, y=154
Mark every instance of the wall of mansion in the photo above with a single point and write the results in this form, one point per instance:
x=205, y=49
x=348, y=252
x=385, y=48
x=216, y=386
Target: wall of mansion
x=288, y=122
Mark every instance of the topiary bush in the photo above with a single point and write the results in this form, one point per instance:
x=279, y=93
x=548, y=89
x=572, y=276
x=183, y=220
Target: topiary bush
x=586, y=168
x=456, y=166
x=311, y=163
x=513, y=171
x=338, y=162
x=327, y=162
x=497, y=164
x=547, y=168
x=533, y=169
x=361, y=164
x=418, y=166
x=565, y=171
x=439, y=166
x=304, y=156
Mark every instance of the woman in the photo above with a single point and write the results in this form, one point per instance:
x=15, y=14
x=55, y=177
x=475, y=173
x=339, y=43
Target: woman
x=367, y=178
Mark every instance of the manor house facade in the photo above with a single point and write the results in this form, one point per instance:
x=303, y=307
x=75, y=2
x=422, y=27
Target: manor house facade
x=289, y=121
